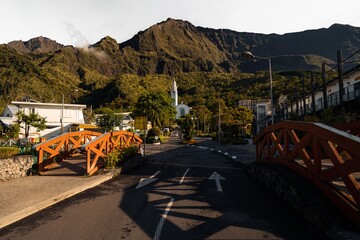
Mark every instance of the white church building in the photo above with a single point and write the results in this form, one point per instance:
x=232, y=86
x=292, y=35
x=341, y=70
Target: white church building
x=181, y=109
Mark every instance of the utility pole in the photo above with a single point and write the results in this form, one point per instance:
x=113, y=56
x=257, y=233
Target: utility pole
x=271, y=93
x=219, y=125
x=303, y=96
x=324, y=86
x=341, y=82
x=62, y=116
x=297, y=102
x=312, y=93
x=204, y=123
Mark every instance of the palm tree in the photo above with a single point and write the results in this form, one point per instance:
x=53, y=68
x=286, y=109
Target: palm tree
x=158, y=108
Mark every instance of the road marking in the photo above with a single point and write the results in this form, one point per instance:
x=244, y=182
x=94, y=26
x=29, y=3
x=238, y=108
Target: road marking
x=195, y=166
x=146, y=181
x=217, y=177
x=183, y=177
x=162, y=220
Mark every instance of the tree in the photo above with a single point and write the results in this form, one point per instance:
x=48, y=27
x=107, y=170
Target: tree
x=239, y=123
x=33, y=119
x=157, y=107
x=187, y=126
x=89, y=116
x=203, y=116
x=243, y=115
x=109, y=120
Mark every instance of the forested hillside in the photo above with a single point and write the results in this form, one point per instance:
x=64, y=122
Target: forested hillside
x=206, y=63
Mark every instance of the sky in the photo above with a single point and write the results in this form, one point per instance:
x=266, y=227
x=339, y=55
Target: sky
x=83, y=22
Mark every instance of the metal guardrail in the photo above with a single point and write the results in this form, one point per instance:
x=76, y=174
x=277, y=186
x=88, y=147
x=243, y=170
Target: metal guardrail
x=8, y=143
x=333, y=100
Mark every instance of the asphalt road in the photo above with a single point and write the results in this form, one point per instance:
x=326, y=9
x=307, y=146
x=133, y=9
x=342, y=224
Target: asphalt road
x=170, y=197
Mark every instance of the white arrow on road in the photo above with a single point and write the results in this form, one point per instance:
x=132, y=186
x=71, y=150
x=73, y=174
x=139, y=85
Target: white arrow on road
x=146, y=181
x=217, y=177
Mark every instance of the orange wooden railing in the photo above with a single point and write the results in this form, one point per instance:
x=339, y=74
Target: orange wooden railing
x=58, y=148
x=98, y=148
x=328, y=157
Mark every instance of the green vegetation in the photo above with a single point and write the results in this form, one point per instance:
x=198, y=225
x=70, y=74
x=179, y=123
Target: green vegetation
x=33, y=119
x=154, y=136
x=136, y=75
x=118, y=156
x=157, y=107
x=187, y=125
x=331, y=117
x=8, y=151
x=109, y=120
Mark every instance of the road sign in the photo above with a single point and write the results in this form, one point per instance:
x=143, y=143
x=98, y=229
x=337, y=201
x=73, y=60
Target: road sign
x=141, y=122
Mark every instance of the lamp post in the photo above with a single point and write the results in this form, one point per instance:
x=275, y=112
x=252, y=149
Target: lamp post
x=248, y=54
x=62, y=115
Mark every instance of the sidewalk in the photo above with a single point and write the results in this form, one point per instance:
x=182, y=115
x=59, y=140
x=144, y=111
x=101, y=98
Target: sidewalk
x=24, y=196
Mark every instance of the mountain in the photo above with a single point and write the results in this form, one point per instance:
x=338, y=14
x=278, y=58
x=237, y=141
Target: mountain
x=36, y=45
x=172, y=48
x=176, y=46
x=322, y=43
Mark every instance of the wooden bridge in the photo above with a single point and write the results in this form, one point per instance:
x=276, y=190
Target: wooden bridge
x=90, y=146
x=328, y=157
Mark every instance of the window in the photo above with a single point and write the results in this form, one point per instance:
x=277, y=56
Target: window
x=182, y=112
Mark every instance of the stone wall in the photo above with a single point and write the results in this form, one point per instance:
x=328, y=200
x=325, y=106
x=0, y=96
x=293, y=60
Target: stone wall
x=298, y=193
x=15, y=167
x=131, y=163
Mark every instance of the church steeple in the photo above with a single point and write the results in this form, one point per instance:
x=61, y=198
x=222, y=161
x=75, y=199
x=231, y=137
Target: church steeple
x=174, y=93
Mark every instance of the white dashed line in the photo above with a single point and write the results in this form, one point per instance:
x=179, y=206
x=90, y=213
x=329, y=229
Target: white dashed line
x=183, y=177
x=162, y=220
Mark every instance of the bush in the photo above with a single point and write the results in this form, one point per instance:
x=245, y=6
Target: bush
x=26, y=150
x=8, y=151
x=154, y=132
x=114, y=158
x=129, y=152
x=152, y=139
x=162, y=139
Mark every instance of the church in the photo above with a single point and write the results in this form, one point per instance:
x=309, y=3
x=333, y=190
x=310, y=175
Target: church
x=181, y=109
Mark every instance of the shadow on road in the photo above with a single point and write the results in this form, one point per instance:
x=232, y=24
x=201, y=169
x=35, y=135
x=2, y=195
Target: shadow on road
x=241, y=211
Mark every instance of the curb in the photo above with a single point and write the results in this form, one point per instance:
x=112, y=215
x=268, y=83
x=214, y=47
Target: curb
x=14, y=217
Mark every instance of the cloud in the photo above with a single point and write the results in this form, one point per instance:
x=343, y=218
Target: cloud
x=80, y=41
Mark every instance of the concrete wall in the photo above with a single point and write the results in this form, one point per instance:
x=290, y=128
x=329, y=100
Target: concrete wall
x=15, y=167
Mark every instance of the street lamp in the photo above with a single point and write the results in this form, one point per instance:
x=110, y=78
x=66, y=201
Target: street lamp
x=248, y=54
x=62, y=116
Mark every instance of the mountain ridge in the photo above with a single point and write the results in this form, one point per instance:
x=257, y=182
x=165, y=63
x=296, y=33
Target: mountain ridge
x=174, y=46
x=170, y=48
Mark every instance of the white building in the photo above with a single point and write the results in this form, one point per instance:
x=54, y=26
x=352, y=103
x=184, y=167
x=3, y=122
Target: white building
x=59, y=117
x=351, y=91
x=181, y=109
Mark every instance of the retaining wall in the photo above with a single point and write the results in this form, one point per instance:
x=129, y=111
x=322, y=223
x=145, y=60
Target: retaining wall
x=299, y=194
x=15, y=167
